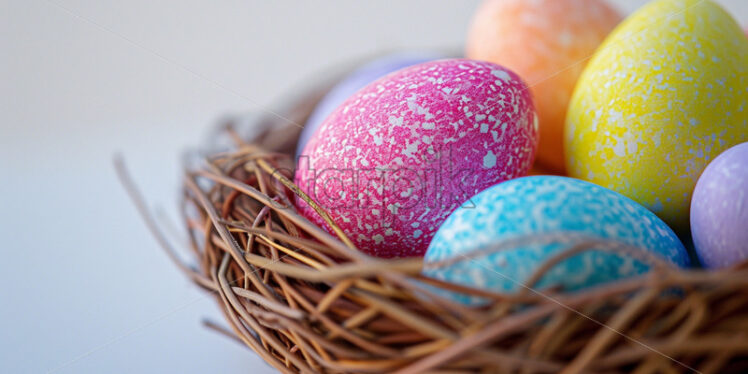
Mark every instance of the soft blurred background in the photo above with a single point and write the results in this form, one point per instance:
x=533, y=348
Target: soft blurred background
x=83, y=286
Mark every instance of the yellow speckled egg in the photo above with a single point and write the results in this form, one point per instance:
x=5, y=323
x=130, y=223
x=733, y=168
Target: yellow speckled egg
x=664, y=94
x=547, y=42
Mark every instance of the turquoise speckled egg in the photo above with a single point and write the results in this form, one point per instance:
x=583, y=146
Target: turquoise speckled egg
x=546, y=205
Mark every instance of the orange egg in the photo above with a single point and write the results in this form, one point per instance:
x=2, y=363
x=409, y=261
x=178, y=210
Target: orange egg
x=548, y=43
x=540, y=170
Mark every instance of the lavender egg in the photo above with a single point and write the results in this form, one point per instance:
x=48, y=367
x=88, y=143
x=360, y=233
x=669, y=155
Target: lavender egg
x=719, y=210
x=355, y=81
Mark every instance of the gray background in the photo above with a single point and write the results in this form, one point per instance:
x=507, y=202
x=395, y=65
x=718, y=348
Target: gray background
x=84, y=287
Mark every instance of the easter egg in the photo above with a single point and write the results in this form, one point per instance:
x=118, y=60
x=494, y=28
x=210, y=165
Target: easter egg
x=547, y=42
x=356, y=80
x=397, y=157
x=663, y=95
x=530, y=207
x=719, y=210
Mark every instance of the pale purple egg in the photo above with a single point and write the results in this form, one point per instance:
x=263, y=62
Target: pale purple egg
x=719, y=210
x=396, y=158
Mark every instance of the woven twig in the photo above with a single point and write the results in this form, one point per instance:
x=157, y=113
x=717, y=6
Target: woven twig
x=308, y=302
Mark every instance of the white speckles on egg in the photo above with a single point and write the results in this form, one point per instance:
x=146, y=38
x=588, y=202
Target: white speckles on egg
x=489, y=160
x=660, y=97
x=414, y=145
x=502, y=75
x=531, y=206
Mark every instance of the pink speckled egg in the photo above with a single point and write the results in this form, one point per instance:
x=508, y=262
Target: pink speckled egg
x=396, y=158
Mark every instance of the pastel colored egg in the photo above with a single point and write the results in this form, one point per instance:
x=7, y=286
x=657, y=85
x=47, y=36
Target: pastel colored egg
x=664, y=94
x=397, y=157
x=719, y=210
x=538, y=170
x=530, y=207
x=356, y=80
x=547, y=42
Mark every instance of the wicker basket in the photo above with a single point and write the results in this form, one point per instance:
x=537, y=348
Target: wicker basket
x=308, y=302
